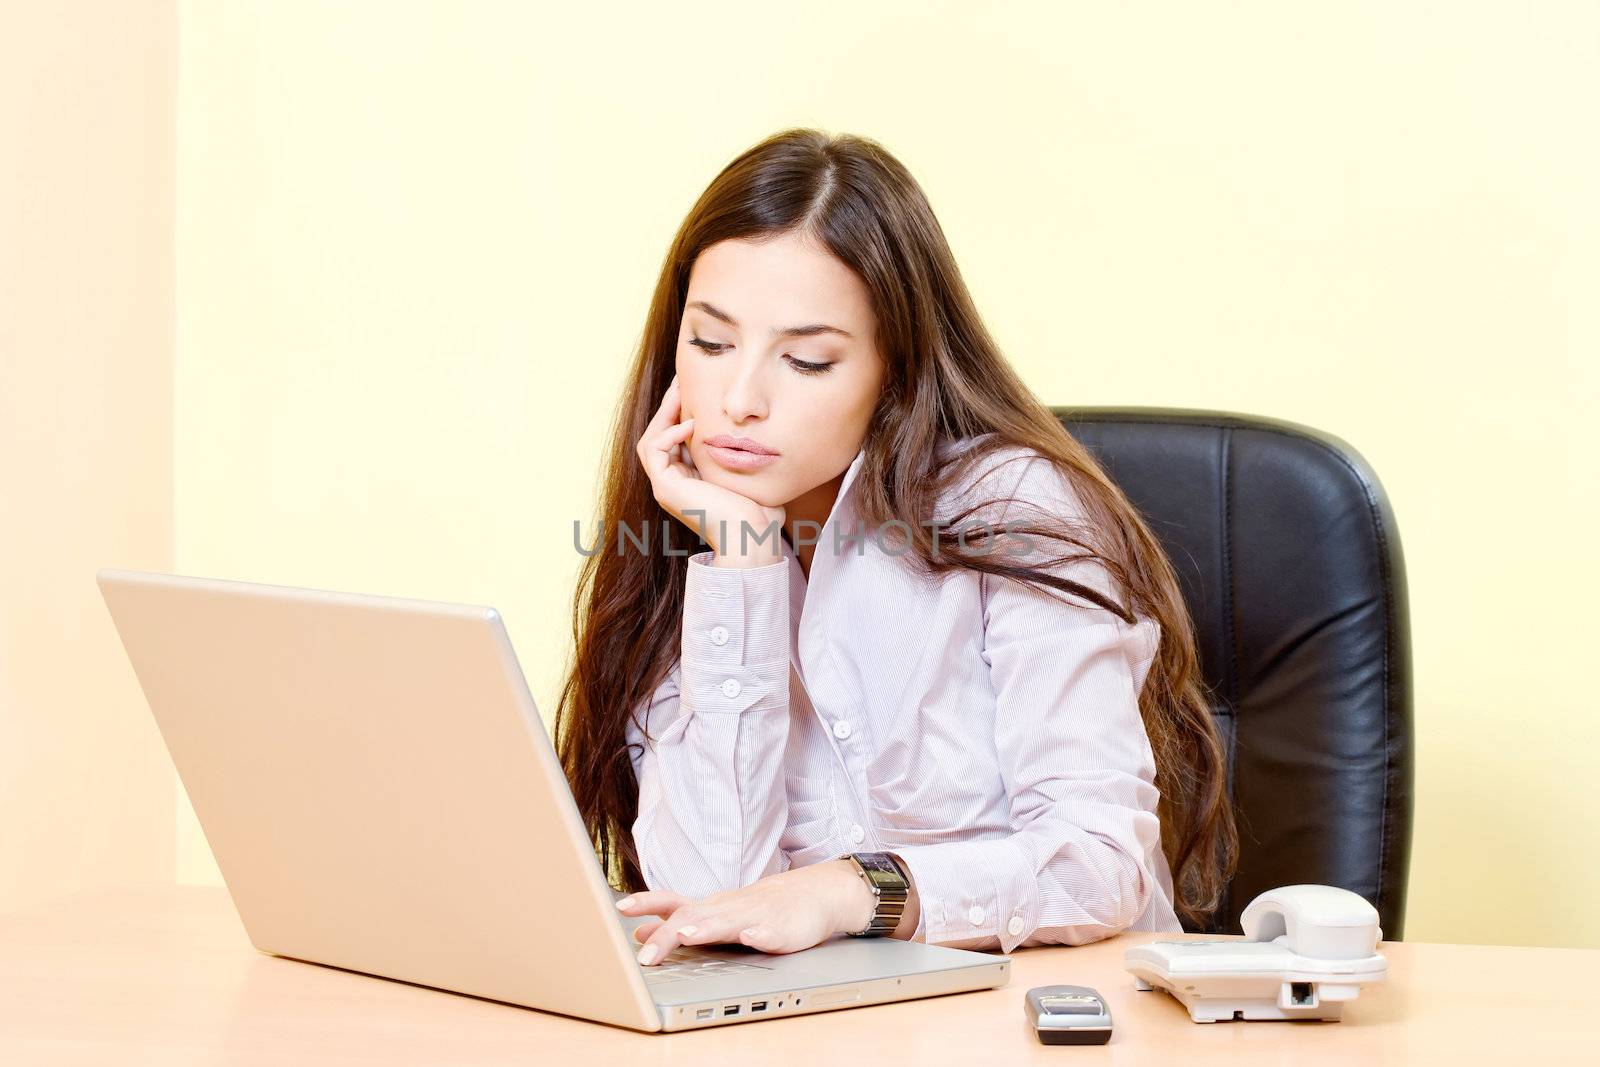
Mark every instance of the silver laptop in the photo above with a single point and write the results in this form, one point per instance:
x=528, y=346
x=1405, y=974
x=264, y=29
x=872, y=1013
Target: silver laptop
x=381, y=795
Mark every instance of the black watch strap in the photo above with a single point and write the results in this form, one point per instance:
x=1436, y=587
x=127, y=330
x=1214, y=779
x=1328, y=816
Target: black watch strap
x=890, y=886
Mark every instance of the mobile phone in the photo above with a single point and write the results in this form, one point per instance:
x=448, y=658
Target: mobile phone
x=1067, y=1015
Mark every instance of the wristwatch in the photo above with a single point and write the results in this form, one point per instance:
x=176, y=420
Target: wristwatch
x=890, y=886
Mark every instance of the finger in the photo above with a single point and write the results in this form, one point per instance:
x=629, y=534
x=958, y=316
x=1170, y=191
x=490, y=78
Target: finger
x=723, y=921
x=671, y=404
x=656, y=450
x=661, y=421
x=653, y=902
x=668, y=406
x=666, y=414
x=742, y=926
x=734, y=929
x=688, y=460
x=643, y=931
x=763, y=938
x=673, y=435
x=660, y=450
x=682, y=462
x=666, y=937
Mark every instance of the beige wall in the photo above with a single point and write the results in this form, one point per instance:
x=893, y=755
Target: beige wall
x=414, y=250
x=87, y=109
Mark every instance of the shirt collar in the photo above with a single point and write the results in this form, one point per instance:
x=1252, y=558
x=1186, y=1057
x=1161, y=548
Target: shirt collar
x=841, y=511
x=844, y=485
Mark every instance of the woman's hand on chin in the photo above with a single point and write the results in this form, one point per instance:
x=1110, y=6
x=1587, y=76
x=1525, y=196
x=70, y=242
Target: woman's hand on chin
x=786, y=912
x=713, y=512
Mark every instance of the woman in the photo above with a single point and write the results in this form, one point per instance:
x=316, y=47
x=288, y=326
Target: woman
x=886, y=605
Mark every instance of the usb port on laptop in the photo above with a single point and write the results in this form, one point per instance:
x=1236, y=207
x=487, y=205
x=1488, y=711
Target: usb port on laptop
x=757, y=1005
x=730, y=1009
x=705, y=1013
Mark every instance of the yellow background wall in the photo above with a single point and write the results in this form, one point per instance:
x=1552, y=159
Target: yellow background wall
x=87, y=110
x=414, y=249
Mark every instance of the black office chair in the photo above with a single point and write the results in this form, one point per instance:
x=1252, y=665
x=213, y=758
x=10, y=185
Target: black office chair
x=1290, y=563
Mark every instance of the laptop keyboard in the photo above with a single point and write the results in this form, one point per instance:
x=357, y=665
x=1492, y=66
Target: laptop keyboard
x=687, y=964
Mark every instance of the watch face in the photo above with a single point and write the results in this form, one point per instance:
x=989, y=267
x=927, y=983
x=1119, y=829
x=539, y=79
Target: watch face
x=881, y=871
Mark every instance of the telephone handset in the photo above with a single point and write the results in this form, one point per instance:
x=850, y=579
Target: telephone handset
x=1306, y=950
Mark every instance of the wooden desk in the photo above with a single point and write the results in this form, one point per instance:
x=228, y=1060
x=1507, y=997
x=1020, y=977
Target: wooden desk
x=167, y=976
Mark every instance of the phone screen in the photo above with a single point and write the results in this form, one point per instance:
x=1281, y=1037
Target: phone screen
x=1070, y=1004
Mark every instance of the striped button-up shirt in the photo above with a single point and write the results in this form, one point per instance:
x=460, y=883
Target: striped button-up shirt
x=986, y=733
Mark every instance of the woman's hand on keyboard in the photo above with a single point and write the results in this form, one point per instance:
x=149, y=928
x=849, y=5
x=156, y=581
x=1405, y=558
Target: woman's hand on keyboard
x=785, y=912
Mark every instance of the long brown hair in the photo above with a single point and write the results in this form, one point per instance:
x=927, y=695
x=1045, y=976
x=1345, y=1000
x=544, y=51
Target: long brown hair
x=946, y=382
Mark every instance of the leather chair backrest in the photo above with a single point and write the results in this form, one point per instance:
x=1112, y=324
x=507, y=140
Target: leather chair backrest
x=1290, y=563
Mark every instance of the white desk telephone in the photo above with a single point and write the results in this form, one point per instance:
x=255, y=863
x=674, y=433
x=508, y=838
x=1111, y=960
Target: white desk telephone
x=1307, y=949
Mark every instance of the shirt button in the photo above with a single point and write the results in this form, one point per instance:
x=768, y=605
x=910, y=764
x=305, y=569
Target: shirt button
x=857, y=834
x=841, y=729
x=1014, y=927
x=976, y=915
x=730, y=688
x=719, y=635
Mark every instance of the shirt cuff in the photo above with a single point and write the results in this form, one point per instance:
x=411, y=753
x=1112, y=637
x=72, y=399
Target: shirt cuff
x=735, y=648
x=972, y=889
